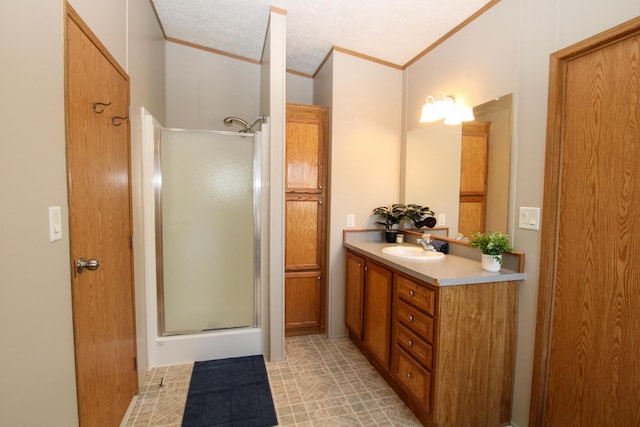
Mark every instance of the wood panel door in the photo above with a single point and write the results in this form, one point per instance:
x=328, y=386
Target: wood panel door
x=376, y=335
x=305, y=219
x=354, y=294
x=473, y=177
x=100, y=228
x=588, y=331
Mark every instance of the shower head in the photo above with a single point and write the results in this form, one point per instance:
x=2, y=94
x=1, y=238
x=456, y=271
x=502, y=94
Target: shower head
x=230, y=120
x=248, y=127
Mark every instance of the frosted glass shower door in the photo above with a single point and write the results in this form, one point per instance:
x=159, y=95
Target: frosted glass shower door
x=208, y=231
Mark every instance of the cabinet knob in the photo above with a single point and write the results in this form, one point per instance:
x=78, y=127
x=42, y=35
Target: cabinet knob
x=410, y=343
x=409, y=375
x=411, y=318
x=411, y=293
x=319, y=187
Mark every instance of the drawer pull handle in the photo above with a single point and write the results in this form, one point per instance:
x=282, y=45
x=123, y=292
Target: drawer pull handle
x=411, y=318
x=410, y=343
x=409, y=375
x=411, y=293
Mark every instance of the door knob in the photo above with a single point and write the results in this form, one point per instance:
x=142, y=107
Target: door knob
x=82, y=263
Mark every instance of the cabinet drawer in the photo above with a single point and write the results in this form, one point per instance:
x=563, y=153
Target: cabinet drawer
x=415, y=294
x=415, y=379
x=416, y=321
x=416, y=347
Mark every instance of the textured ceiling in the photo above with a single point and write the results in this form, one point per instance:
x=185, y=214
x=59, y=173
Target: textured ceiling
x=394, y=31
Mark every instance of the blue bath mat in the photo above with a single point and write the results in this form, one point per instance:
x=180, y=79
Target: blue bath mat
x=231, y=393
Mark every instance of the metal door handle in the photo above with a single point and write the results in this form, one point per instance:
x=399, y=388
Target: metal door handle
x=91, y=265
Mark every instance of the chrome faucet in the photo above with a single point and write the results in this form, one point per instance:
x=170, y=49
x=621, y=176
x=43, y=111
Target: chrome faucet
x=425, y=242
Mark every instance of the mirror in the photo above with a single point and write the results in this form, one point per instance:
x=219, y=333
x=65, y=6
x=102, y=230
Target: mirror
x=433, y=162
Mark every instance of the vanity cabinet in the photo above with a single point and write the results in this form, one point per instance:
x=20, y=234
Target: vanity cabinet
x=451, y=352
x=369, y=288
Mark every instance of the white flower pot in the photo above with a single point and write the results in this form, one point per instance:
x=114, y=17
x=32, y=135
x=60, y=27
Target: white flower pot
x=489, y=263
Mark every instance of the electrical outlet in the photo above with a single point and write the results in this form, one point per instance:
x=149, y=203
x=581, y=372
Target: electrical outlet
x=351, y=220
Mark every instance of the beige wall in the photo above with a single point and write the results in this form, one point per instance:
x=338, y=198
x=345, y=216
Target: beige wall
x=203, y=88
x=366, y=119
x=36, y=361
x=37, y=358
x=147, y=72
x=299, y=89
x=108, y=20
x=507, y=50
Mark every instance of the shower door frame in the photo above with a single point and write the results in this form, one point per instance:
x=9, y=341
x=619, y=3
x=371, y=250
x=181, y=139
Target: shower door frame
x=257, y=208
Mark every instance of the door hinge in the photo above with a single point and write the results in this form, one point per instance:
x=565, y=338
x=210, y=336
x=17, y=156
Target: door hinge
x=131, y=241
x=135, y=363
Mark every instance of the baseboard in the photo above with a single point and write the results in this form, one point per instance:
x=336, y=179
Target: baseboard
x=127, y=414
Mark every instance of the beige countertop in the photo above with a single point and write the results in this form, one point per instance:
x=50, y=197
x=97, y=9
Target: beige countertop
x=452, y=270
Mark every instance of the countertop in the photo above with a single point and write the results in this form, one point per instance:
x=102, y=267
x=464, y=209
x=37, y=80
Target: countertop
x=452, y=270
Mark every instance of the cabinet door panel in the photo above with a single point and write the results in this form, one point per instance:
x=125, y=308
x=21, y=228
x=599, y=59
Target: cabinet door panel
x=303, y=231
x=471, y=216
x=474, y=155
x=377, y=311
x=303, y=294
x=305, y=147
x=354, y=294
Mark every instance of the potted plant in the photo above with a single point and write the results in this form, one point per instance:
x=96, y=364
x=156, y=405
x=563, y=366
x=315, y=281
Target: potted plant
x=421, y=216
x=391, y=215
x=492, y=244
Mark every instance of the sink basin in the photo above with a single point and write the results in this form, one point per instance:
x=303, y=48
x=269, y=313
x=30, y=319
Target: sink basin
x=412, y=253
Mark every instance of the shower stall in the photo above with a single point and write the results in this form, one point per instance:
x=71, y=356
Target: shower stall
x=204, y=189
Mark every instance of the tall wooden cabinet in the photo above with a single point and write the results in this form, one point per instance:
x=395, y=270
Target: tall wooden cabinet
x=305, y=219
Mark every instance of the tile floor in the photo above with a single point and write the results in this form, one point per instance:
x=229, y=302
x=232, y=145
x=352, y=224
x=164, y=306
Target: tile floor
x=322, y=382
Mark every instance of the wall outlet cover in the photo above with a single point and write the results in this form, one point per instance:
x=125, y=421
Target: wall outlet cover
x=351, y=220
x=529, y=218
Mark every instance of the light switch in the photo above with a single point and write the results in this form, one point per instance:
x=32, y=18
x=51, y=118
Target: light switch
x=351, y=220
x=529, y=218
x=55, y=223
x=442, y=220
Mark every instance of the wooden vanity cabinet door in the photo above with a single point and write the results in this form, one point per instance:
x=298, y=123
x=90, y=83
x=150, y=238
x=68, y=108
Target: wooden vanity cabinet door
x=354, y=294
x=377, y=311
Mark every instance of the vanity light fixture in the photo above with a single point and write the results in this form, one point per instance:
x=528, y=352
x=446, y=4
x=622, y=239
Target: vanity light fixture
x=445, y=107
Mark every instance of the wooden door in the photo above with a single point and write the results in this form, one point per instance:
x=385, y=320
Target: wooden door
x=586, y=369
x=305, y=219
x=377, y=311
x=354, y=294
x=473, y=177
x=100, y=228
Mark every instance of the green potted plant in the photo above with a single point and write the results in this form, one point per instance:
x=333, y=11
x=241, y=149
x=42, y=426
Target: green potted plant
x=492, y=244
x=391, y=215
x=421, y=216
